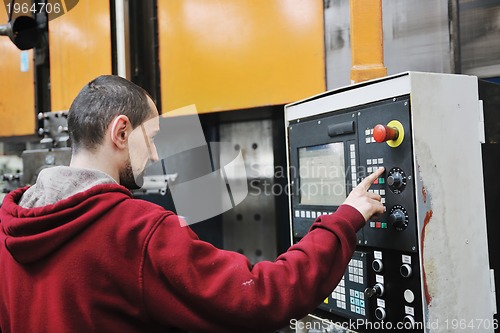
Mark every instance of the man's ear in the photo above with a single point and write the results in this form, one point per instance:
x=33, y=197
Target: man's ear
x=120, y=130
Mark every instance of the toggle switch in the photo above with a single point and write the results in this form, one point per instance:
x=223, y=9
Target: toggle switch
x=377, y=290
x=383, y=133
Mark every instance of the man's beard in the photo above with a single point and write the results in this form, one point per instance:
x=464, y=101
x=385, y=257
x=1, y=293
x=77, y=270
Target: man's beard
x=127, y=178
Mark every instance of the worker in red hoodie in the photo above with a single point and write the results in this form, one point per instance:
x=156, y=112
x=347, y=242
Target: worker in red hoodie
x=79, y=254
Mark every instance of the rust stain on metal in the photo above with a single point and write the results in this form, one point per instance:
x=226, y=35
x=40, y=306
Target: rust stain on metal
x=428, y=216
x=424, y=194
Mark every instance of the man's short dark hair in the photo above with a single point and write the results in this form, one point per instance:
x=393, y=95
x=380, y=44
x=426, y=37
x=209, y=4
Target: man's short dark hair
x=98, y=103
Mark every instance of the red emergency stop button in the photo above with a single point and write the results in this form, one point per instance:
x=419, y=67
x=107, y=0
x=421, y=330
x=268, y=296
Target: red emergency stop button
x=382, y=133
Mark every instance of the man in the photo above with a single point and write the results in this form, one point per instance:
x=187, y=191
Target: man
x=79, y=254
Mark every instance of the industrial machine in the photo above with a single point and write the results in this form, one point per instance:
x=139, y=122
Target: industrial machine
x=423, y=265
x=53, y=149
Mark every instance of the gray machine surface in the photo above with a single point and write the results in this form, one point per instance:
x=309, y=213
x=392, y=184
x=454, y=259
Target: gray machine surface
x=53, y=148
x=423, y=266
x=443, y=36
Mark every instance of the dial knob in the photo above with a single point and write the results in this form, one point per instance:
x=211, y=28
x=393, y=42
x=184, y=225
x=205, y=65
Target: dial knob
x=398, y=219
x=380, y=313
x=377, y=265
x=405, y=270
x=395, y=180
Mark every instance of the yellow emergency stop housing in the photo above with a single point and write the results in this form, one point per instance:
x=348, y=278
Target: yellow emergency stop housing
x=401, y=133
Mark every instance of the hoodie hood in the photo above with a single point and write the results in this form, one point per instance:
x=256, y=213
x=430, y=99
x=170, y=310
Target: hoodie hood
x=31, y=234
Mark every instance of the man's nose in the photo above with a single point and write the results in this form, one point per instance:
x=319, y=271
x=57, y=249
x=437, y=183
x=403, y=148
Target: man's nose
x=154, y=154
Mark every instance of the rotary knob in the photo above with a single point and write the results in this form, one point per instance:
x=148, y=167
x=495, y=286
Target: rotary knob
x=396, y=180
x=398, y=218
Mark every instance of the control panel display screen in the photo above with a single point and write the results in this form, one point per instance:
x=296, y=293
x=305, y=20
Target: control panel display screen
x=322, y=174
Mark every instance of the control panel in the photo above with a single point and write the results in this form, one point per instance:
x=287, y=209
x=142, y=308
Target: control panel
x=329, y=156
x=422, y=265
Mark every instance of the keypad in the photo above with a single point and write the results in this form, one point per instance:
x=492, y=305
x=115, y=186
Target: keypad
x=357, y=302
x=355, y=270
x=339, y=296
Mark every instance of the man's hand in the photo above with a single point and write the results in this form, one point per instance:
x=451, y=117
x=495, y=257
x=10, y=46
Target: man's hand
x=367, y=203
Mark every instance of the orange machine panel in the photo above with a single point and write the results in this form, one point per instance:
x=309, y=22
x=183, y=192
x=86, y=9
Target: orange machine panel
x=227, y=54
x=17, y=91
x=80, y=50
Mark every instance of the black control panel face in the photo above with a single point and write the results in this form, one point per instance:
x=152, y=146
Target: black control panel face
x=329, y=155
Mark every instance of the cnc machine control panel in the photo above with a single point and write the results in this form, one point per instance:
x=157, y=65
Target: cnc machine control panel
x=329, y=155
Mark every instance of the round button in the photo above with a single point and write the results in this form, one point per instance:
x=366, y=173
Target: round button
x=409, y=321
x=377, y=265
x=405, y=270
x=382, y=133
x=409, y=296
x=380, y=313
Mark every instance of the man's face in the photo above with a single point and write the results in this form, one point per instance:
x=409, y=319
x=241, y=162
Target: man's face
x=142, y=150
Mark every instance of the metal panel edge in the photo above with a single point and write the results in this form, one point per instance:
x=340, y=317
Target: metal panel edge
x=448, y=249
x=371, y=91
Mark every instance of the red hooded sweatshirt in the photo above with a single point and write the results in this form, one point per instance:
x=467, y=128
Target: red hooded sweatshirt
x=101, y=261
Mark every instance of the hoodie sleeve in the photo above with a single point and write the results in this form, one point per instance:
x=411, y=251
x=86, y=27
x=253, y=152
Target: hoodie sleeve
x=191, y=285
